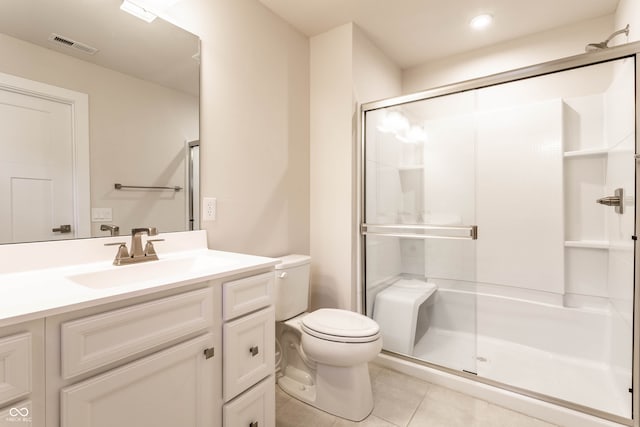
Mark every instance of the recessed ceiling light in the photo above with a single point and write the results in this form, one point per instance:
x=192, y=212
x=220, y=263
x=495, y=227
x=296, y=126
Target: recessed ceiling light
x=481, y=21
x=137, y=11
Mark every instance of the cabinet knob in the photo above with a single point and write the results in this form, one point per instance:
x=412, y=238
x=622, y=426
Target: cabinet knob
x=254, y=424
x=283, y=275
x=254, y=350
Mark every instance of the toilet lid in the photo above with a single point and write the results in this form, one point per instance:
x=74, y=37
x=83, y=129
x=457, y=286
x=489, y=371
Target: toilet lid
x=340, y=325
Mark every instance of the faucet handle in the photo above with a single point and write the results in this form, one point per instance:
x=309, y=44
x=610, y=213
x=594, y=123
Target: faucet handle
x=149, y=249
x=123, y=253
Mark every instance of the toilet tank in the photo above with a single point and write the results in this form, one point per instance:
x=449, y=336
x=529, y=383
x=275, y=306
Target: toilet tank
x=292, y=286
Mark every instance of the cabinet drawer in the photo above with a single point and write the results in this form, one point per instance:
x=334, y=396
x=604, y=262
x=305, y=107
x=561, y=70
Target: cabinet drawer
x=246, y=295
x=15, y=367
x=254, y=408
x=95, y=341
x=249, y=351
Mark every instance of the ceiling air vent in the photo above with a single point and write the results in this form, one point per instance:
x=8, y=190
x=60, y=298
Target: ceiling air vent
x=67, y=42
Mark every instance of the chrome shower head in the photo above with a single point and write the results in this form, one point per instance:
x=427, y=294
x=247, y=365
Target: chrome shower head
x=592, y=47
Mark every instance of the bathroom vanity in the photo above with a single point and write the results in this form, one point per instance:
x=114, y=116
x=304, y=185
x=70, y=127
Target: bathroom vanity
x=187, y=340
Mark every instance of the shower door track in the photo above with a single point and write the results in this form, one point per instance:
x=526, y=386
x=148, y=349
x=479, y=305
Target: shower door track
x=630, y=50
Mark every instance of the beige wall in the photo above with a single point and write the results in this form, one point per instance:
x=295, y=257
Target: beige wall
x=346, y=70
x=331, y=143
x=254, y=125
x=137, y=133
x=628, y=12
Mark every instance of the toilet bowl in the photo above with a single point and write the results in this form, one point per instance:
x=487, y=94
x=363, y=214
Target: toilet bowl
x=325, y=352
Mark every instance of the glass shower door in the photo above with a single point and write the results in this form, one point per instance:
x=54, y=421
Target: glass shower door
x=418, y=229
x=539, y=297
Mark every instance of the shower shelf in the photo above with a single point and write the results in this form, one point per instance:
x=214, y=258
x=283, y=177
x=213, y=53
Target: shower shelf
x=588, y=244
x=404, y=168
x=589, y=152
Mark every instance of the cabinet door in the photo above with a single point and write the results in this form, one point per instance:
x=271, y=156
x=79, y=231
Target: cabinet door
x=18, y=415
x=171, y=388
x=15, y=367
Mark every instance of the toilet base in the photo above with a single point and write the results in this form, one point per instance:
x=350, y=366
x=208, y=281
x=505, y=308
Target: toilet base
x=298, y=384
x=341, y=391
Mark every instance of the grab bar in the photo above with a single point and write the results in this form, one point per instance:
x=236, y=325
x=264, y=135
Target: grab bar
x=141, y=187
x=422, y=231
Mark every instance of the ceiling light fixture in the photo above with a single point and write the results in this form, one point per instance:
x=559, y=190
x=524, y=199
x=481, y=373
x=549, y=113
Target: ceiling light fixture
x=481, y=22
x=137, y=11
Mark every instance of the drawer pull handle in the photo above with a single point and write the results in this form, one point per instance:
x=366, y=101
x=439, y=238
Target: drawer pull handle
x=254, y=424
x=209, y=353
x=254, y=350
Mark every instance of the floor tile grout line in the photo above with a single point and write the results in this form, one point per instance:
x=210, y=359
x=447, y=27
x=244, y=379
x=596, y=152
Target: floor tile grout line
x=415, y=411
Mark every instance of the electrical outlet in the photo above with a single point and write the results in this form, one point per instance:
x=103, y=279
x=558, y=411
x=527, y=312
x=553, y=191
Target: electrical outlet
x=209, y=209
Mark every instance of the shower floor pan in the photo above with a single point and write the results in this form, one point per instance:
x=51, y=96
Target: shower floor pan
x=576, y=380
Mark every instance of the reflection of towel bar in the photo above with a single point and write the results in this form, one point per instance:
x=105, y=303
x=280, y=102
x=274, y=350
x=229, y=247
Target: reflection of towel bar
x=140, y=187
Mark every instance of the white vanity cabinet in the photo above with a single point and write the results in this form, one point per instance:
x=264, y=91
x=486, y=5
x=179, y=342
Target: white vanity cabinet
x=22, y=375
x=249, y=352
x=93, y=345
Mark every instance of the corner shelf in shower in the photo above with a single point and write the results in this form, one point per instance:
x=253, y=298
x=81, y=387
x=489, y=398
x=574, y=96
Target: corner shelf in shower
x=588, y=244
x=407, y=168
x=587, y=152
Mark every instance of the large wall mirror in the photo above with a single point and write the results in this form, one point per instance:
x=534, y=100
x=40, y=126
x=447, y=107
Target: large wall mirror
x=91, y=97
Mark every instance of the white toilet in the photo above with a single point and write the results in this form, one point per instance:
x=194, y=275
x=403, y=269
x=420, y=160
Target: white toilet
x=323, y=354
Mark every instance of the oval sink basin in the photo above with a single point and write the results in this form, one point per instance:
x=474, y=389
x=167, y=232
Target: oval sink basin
x=165, y=270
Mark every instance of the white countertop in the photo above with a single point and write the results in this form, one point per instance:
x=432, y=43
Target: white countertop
x=37, y=293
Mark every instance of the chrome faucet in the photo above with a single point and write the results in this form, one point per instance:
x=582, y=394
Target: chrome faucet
x=113, y=229
x=137, y=253
x=136, y=240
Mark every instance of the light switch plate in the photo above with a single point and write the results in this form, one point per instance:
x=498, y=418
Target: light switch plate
x=101, y=214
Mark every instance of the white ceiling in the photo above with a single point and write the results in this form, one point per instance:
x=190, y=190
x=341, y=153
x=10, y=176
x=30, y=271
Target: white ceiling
x=157, y=51
x=412, y=32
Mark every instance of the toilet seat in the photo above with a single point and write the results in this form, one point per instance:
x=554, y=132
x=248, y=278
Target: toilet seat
x=340, y=326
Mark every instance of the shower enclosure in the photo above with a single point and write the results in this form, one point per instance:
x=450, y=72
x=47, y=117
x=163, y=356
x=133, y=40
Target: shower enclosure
x=498, y=229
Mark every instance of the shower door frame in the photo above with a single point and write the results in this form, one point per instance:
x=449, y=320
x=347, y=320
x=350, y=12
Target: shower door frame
x=630, y=50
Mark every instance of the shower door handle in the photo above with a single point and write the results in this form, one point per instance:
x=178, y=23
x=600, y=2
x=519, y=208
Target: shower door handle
x=421, y=231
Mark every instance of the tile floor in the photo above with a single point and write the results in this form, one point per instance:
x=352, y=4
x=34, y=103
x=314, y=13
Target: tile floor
x=403, y=401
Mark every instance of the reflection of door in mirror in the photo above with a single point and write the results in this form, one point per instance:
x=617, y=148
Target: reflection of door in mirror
x=41, y=163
